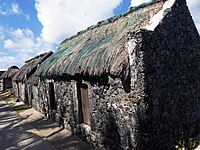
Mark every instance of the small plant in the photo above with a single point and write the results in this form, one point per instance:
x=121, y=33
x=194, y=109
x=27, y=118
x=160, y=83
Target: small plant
x=188, y=144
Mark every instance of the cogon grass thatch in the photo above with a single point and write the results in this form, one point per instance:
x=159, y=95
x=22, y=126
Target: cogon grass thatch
x=10, y=72
x=1, y=72
x=99, y=50
x=33, y=79
x=30, y=66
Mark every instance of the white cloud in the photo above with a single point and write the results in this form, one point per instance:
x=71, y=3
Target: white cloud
x=22, y=41
x=16, y=9
x=135, y=3
x=13, y=9
x=21, y=33
x=1, y=37
x=7, y=10
x=194, y=6
x=27, y=17
x=23, y=45
x=8, y=44
x=18, y=33
x=1, y=29
x=1, y=33
x=4, y=11
x=193, y=3
x=3, y=69
x=63, y=18
x=7, y=61
x=2, y=53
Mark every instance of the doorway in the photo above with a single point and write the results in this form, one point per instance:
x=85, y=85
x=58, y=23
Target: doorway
x=83, y=102
x=52, y=103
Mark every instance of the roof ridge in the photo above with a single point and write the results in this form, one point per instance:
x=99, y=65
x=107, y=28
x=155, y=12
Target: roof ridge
x=38, y=56
x=111, y=19
x=14, y=67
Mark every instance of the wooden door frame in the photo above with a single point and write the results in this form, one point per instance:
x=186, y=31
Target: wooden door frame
x=80, y=104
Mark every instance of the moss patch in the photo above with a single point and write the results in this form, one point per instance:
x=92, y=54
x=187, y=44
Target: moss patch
x=7, y=95
x=189, y=144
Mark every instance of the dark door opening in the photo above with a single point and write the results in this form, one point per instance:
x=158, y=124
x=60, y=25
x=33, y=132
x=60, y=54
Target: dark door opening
x=26, y=101
x=52, y=103
x=83, y=101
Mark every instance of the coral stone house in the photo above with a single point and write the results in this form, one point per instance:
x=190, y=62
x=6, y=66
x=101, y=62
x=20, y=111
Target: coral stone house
x=1, y=80
x=27, y=70
x=129, y=82
x=6, y=78
x=32, y=90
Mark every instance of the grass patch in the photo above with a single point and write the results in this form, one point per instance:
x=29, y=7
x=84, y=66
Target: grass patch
x=7, y=95
x=189, y=144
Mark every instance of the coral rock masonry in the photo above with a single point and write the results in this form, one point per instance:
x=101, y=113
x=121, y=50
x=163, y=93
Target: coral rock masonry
x=129, y=82
x=6, y=78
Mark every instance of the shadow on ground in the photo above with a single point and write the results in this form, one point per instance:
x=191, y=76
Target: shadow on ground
x=32, y=132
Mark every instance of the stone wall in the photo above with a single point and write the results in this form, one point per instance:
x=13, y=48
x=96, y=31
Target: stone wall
x=43, y=98
x=23, y=94
x=171, y=81
x=157, y=107
x=33, y=96
x=112, y=109
x=67, y=104
x=30, y=94
x=7, y=83
x=1, y=85
x=113, y=116
x=15, y=89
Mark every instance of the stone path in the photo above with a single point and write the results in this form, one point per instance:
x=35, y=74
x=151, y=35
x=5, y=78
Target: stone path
x=28, y=130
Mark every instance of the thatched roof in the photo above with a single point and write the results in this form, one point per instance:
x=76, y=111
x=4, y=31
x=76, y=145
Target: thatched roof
x=30, y=66
x=33, y=79
x=10, y=72
x=101, y=49
x=1, y=72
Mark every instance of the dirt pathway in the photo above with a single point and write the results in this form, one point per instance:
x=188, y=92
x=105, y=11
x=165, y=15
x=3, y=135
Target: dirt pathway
x=28, y=130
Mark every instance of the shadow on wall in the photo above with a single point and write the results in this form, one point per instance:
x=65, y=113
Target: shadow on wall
x=113, y=135
x=110, y=133
x=172, y=83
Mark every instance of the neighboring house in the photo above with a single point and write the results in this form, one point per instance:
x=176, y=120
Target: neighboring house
x=27, y=70
x=130, y=82
x=32, y=89
x=1, y=80
x=6, y=77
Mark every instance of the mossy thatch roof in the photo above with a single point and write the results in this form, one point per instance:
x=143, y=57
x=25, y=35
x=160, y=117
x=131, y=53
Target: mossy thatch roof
x=10, y=72
x=30, y=66
x=99, y=50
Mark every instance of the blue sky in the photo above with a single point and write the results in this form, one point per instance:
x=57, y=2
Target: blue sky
x=31, y=27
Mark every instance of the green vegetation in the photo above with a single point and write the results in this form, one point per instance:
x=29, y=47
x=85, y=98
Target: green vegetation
x=189, y=144
x=8, y=97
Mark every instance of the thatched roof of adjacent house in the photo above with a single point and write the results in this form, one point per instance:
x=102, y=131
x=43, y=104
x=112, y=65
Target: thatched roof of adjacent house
x=33, y=80
x=101, y=49
x=10, y=72
x=30, y=66
x=1, y=72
